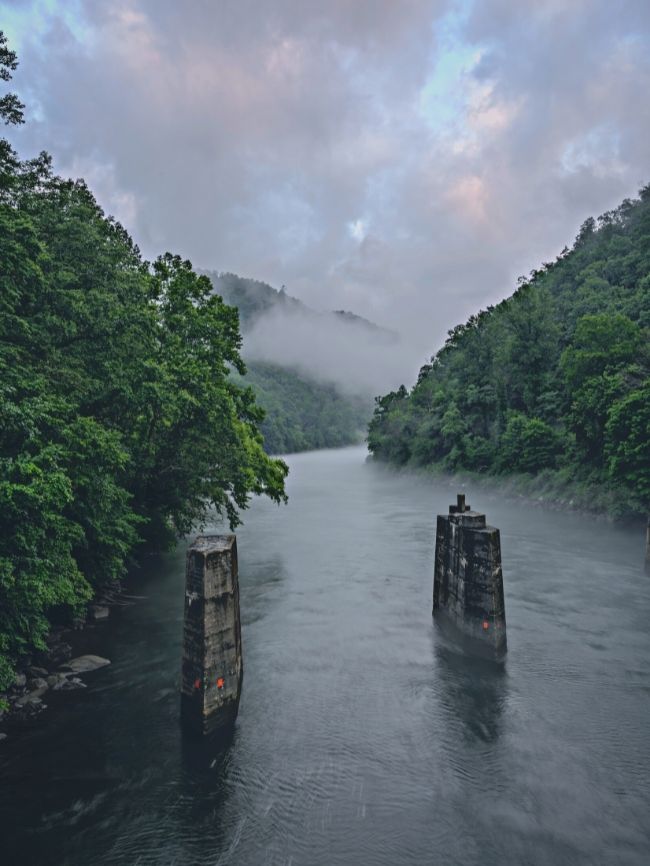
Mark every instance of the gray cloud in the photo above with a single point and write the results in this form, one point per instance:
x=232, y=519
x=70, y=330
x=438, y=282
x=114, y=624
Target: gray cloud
x=404, y=160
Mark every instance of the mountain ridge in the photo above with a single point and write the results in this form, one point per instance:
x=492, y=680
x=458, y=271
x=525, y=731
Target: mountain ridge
x=256, y=298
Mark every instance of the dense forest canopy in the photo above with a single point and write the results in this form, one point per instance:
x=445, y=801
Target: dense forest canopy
x=120, y=421
x=554, y=379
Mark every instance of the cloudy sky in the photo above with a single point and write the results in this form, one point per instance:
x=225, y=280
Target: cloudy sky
x=405, y=159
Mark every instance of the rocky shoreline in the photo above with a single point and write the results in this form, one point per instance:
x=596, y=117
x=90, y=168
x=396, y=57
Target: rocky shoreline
x=24, y=700
x=55, y=669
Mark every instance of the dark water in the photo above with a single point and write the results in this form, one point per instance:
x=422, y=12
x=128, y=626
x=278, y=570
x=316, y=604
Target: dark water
x=364, y=735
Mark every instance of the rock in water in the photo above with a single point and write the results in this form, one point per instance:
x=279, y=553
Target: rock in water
x=37, y=672
x=29, y=699
x=468, y=580
x=84, y=664
x=67, y=685
x=38, y=686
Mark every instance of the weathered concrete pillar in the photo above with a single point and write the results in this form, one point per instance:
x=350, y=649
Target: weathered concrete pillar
x=212, y=660
x=468, y=581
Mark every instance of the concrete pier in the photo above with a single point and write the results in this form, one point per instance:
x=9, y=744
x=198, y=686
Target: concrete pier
x=212, y=668
x=468, y=580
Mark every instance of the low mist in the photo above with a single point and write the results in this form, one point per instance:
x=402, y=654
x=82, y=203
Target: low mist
x=353, y=354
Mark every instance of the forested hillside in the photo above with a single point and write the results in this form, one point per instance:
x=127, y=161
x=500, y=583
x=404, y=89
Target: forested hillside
x=301, y=414
x=553, y=380
x=120, y=422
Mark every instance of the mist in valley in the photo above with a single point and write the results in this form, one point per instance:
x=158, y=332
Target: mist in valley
x=359, y=360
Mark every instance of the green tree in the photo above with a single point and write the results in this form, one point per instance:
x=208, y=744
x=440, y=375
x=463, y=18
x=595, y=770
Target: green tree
x=11, y=108
x=627, y=441
x=604, y=349
x=601, y=343
x=528, y=445
x=120, y=420
x=388, y=431
x=197, y=445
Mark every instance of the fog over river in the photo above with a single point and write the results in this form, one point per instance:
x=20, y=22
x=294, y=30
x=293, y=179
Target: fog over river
x=365, y=735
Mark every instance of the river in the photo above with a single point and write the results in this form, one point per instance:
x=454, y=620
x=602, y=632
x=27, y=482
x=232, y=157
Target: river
x=365, y=735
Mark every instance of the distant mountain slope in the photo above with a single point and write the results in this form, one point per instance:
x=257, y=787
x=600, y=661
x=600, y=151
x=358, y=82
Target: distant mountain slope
x=302, y=411
x=302, y=414
x=554, y=380
x=383, y=334
x=253, y=298
x=256, y=299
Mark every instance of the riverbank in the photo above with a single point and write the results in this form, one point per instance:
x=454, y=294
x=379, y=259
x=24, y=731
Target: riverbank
x=551, y=489
x=59, y=667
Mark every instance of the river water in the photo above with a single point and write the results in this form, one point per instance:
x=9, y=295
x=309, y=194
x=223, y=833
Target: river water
x=365, y=735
